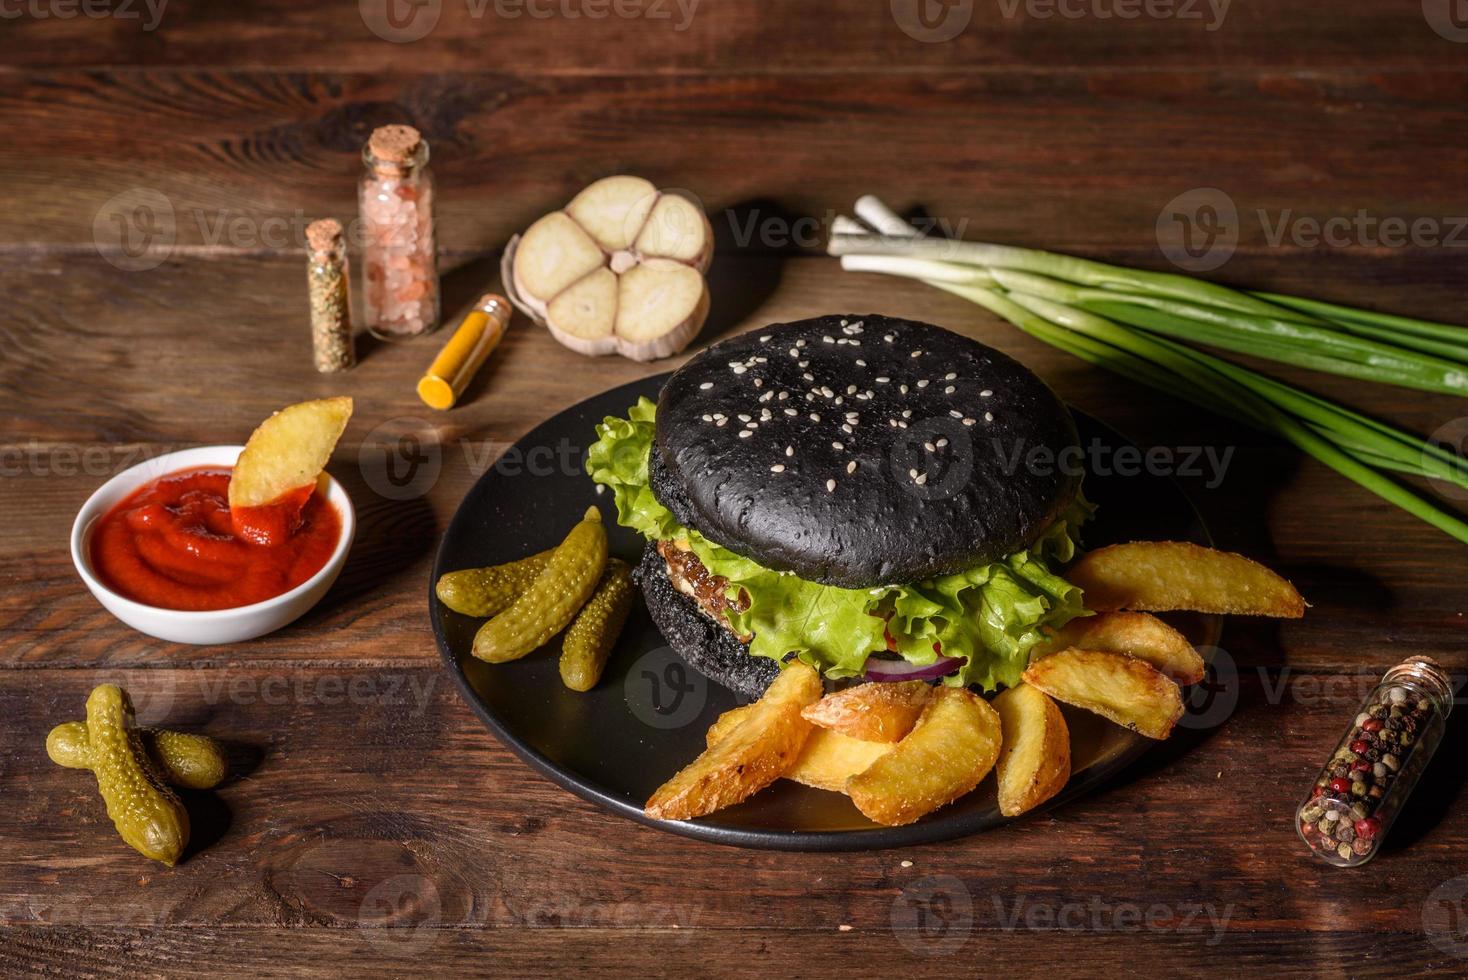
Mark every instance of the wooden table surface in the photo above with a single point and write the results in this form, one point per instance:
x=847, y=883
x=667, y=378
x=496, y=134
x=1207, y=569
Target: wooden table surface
x=156, y=175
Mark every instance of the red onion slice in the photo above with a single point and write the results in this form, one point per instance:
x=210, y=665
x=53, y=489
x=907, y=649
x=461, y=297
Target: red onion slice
x=901, y=670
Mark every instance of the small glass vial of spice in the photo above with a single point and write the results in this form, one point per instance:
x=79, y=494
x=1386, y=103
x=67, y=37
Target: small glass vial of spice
x=1362, y=788
x=399, y=257
x=328, y=282
x=465, y=353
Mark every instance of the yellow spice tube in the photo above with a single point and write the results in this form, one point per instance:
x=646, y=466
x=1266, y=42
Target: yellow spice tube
x=466, y=351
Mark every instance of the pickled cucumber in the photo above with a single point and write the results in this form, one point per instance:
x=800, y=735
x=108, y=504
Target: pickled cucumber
x=593, y=633
x=489, y=591
x=190, y=761
x=146, y=813
x=556, y=595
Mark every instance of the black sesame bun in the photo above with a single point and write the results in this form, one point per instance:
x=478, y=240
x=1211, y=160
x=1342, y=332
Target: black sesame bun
x=860, y=451
x=709, y=648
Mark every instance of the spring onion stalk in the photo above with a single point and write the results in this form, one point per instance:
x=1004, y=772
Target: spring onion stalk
x=1441, y=348
x=925, y=269
x=1352, y=428
x=1329, y=341
x=1302, y=344
x=1456, y=336
x=1343, y=420
x=1057, y=300
x=1088, y=349
x=1319, y=350
x=1313, y=443
x=1083, y=272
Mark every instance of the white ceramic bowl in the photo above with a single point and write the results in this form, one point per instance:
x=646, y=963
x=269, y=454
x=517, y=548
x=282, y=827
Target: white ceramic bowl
x=215, y=625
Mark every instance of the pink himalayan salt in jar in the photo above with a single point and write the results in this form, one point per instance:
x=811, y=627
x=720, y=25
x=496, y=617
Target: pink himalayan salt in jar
x=399, y=259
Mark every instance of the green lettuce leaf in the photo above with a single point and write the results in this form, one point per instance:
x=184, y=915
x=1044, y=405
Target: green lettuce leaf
x=992, y=615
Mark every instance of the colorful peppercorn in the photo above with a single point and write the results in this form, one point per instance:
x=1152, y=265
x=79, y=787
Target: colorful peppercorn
x=1362, y=788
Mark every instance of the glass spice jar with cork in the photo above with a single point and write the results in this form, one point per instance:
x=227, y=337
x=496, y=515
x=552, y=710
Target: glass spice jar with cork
x=328, y=286
x=399, y=260
x=1373, y=770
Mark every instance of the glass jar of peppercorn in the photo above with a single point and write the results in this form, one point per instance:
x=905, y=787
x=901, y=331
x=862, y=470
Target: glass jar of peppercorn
x=1362, y=788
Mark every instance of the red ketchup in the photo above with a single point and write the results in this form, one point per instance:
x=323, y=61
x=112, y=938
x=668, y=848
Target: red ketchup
x=173, y=543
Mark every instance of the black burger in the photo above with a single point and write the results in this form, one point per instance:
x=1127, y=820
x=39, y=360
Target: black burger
x=853, y=491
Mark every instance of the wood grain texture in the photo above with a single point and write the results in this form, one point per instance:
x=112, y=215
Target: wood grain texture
x=533, y=37
x=325, y=819
x=242, y=161
x=317, y=952
x=374, y=825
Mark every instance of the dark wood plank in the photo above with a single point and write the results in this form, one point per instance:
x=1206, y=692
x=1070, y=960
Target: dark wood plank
x=330, y=815
x=661, y=36
x=147, y=369
x=317, y=952
x=1070, y=161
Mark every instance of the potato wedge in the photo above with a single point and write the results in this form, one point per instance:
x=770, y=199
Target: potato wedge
x=828, y=759
x=1136, y=634
x=754, y=754
x=724, y=724
x=949, y=751
x=1034, y=757
x=875, y=712
x=1157, y=576
x=288, y=451
x=1126, y=690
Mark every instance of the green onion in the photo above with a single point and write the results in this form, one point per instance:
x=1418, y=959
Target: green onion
x=1131, y=321
x=1456, y=336
x=1067, y=267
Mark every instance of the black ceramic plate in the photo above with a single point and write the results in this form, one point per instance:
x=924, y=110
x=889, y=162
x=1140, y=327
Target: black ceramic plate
x=647, y=717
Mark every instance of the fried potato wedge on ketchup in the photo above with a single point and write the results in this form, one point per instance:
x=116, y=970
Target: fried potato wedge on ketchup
x=875, y=712
x=1034, y=761
x=1123, y=689
x=1158, y=576
x=951, y=749
x=1136, y=634
x=754, y=753
x=279, y=468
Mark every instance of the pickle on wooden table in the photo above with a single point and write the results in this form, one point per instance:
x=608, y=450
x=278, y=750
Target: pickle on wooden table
x=190, y=761
x=594, y=631
x=556, y=595
x=146, y=812
x=489, y=591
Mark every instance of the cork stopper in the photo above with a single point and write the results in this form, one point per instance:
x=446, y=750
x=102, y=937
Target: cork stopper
x=324, y=235
x=394, y=144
